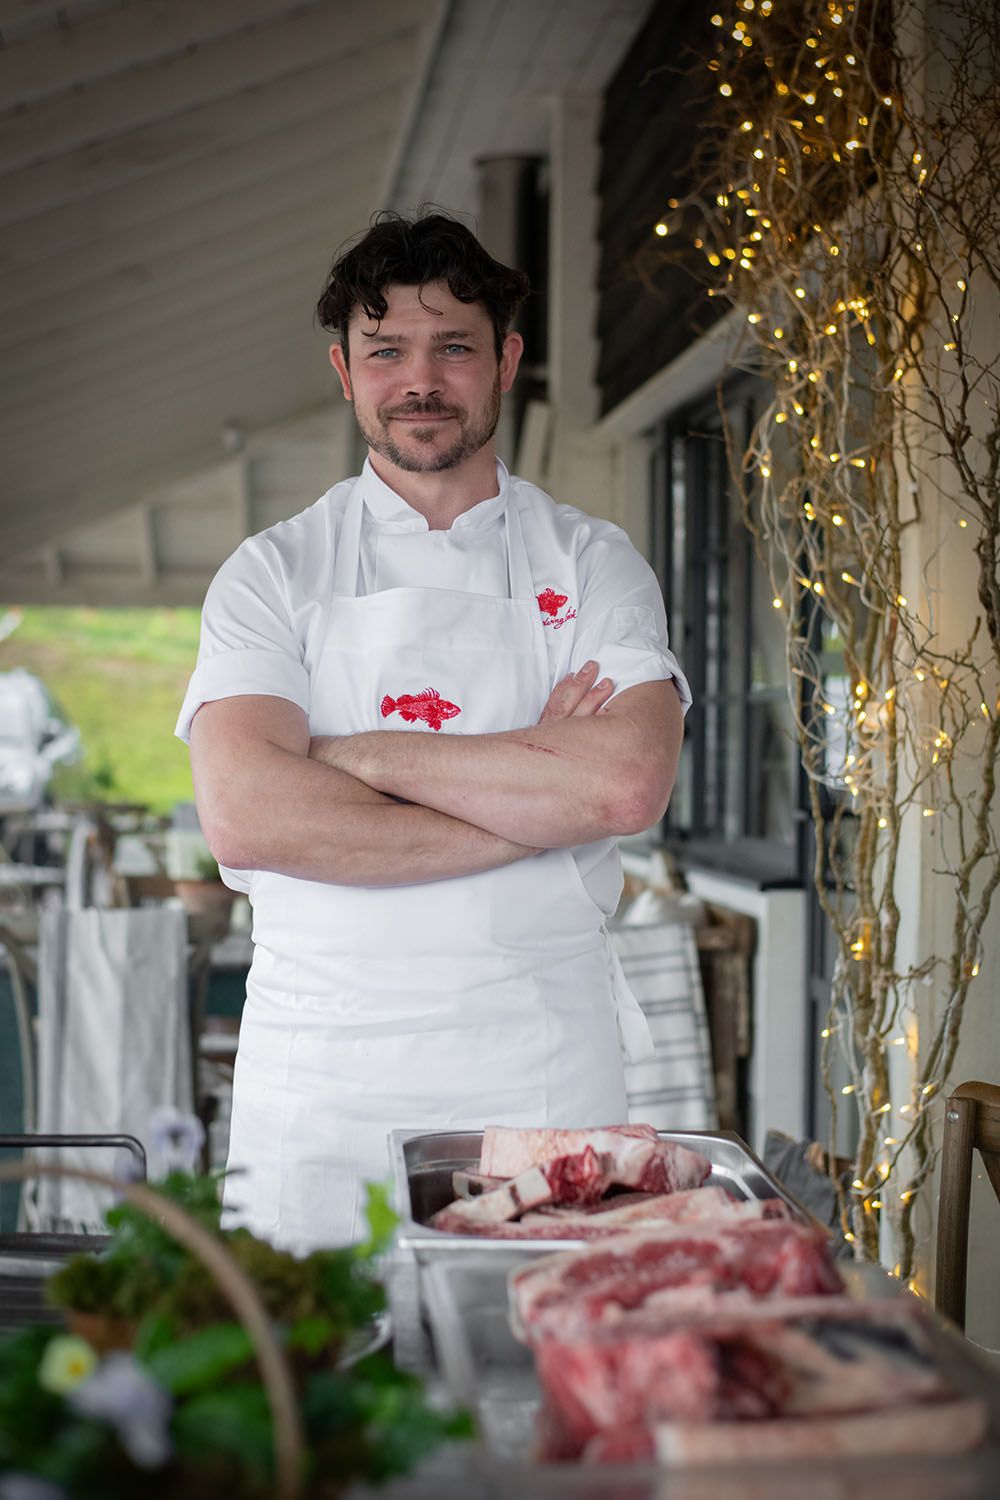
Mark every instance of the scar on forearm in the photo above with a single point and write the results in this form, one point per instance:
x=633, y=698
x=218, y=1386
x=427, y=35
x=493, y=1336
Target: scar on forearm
x=542, y=749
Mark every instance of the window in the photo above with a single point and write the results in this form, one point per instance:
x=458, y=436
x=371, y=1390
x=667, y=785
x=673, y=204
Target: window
x=739, y=784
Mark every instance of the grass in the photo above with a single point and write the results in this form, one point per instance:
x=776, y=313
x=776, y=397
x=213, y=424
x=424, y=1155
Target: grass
x=120, y=676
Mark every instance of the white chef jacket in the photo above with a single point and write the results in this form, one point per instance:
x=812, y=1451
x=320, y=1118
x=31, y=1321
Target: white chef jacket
x=263, y=622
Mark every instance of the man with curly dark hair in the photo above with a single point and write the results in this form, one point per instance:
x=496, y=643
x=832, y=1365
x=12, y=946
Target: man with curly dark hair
x=429, y=905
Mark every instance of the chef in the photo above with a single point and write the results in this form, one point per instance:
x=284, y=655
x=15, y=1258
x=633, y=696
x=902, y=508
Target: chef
x=423, y=711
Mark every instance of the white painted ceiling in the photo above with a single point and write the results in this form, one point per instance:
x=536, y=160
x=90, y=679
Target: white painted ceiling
x=174, y=178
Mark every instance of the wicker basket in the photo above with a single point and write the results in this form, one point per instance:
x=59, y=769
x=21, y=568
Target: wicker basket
x=237, y=1288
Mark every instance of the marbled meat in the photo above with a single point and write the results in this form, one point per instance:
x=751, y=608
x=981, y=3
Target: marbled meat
x=572, y=1290
x=652, y=1386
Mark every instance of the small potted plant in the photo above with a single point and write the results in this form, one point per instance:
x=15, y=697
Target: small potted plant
x=246, y=1371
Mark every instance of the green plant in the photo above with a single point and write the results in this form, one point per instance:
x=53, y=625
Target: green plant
x=185, y=1411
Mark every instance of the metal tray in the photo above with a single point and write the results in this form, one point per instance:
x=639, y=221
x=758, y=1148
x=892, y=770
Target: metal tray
x=422, y=1166
x=488, y=1371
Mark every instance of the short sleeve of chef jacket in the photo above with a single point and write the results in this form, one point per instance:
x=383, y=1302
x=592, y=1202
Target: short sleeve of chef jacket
x=622, y=623
x=247, y=642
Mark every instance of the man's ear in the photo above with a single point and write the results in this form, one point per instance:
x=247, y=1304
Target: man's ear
x=513, y=348
x=340, y=365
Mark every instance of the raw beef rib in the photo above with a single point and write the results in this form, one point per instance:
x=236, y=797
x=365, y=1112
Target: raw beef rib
x=574, y=1289
x=637, y=1158
x=795, y=1359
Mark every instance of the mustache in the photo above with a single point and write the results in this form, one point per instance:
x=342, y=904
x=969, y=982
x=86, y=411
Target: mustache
x=421, y=409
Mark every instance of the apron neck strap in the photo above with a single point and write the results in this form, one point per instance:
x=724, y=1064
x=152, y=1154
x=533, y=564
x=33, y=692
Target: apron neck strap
x=522, y=585
x=348, y=555
x=347, y=562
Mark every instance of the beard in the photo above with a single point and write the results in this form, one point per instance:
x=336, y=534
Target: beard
x=474, y=432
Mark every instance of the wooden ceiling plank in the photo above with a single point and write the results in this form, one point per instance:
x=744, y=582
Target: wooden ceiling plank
x=128, y=233
x=147, y=300
x=229, y=332
x=49, y=193
x=13, y=12
x=115, y=445
x=97, y=47
x=159, y=92
x=233, y=344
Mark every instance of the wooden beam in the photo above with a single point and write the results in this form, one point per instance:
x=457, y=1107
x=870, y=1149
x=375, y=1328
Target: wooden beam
x=241, y=489
x=167, y=89
x=71, y=187
x=96, y=589
x=415, y=93
x=52, y=563
x=149, y=563
x=26, y=523
x=92, y=47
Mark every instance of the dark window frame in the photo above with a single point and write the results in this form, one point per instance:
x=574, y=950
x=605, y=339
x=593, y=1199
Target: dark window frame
x=706, y=532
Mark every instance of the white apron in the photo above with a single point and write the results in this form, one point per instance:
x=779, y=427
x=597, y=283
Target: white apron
x=489, y=998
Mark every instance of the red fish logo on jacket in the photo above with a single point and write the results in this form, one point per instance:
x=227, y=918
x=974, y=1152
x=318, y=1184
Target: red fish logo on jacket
x=550, y=603
x=428, y=707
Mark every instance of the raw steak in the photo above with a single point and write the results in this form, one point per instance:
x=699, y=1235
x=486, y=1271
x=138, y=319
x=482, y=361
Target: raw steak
x=606, y=1385
x=572, y=1290
x=484, y=1213
x=637, y=1157
x=928, y=1427
x=629, y=1212
x=581, y=1179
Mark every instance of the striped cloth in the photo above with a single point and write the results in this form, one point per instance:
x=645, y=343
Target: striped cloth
x=674, y=1090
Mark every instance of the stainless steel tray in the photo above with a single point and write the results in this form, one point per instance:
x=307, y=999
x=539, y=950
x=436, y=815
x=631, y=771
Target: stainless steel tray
x=488, y=1371
x=422, y=1165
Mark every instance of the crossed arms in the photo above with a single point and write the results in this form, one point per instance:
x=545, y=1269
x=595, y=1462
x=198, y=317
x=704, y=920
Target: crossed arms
x=327, y=809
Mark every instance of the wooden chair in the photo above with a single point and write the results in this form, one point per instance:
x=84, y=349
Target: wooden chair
x=971, y=1122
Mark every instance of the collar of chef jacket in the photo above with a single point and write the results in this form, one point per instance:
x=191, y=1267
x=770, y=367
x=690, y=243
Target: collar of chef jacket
x=388, y=509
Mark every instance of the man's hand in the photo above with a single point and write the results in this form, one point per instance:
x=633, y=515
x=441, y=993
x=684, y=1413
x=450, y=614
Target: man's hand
x=589, y=769
x=579, y=695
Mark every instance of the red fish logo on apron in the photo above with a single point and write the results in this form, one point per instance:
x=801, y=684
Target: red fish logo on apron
x=550, y=603
x=427, y=707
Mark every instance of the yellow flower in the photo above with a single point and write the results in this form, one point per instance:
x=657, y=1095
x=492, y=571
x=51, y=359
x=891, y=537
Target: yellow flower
x=66, y=1363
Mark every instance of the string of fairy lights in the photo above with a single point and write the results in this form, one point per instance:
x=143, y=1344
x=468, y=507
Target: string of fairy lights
x=810, y=125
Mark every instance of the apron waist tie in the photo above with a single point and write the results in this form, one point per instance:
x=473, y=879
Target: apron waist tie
x=634, y=1035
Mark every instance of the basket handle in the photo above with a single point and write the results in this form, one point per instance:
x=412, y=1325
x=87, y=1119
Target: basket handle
x=235, y=1286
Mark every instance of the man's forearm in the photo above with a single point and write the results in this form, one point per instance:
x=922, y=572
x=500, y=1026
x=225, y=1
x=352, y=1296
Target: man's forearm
x=275, y=810
x=554, y=784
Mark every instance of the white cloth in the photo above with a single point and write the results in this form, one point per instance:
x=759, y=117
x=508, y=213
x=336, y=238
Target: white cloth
x=675, y=1088
x=492, y=997
x=114, y=1040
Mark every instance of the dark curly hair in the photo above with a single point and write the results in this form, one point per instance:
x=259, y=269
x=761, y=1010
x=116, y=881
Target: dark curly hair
x=413, y=252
